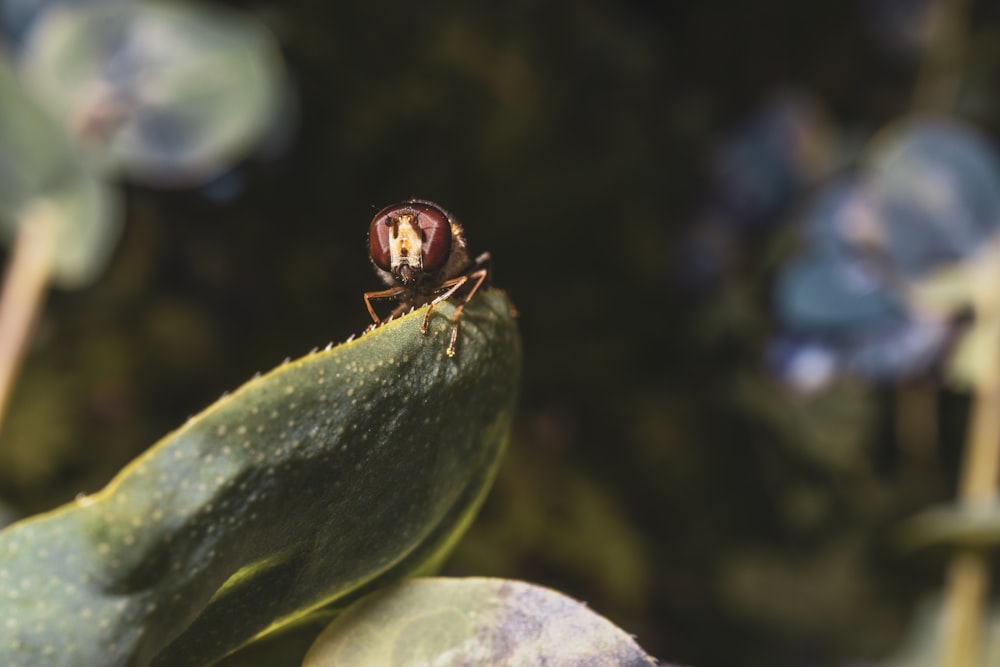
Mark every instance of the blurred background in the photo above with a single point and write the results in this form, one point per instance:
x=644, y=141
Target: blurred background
x=695, y=456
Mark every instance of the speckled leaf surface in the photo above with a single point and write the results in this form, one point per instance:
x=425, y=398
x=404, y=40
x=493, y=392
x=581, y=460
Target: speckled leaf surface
x=475, y=621
x=319, y=479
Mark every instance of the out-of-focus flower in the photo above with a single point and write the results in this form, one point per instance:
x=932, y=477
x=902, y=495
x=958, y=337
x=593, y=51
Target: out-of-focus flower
x=18, y=16
x=762, y=166
x=898, y=26
x=927, y=198
x=759, y=170
x=842, y=314
x=936, y=185
x=170, y=95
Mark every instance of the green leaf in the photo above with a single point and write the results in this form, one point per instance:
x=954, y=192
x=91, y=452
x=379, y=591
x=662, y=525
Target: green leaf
x=40, y=167
x=456, y=622
x=325, y=478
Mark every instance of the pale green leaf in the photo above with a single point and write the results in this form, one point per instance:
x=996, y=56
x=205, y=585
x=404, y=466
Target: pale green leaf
x=475, y=621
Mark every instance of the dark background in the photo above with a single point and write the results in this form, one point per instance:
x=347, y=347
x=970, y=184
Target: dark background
x=656, y=472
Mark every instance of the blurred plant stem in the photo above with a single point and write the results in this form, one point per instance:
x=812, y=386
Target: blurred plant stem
x=941, y=70
x=968, y=579
x=23, y=288
x=968, y=573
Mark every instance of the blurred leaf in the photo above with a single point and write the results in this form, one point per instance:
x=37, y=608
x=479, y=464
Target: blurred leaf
x=810, y=594
x=972, y=526
x=335, y=472
x=39, y=167
x=170, y=93
x=452, y=622
x=832, y=428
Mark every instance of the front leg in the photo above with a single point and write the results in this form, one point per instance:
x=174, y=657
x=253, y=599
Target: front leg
x=479, y=276
x=449, y=287
x=382, y=294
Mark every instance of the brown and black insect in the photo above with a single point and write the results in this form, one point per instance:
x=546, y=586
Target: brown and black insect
x=419, y=250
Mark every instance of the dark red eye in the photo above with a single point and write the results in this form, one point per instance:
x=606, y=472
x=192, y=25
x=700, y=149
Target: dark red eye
x=436, y=246
x=434, y=227
x=378, y=235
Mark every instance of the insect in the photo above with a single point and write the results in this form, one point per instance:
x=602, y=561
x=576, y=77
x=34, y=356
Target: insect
x=419, y=250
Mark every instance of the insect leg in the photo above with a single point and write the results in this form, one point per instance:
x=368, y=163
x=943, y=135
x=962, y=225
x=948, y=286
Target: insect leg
x=484, y=260
x=479, y=276
x=383, y=294
x=450, y=287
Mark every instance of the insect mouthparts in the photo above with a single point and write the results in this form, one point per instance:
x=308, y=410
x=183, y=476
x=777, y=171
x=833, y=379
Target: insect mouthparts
x=406, y=273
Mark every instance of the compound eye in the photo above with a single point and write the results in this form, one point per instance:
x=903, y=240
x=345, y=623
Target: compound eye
x=378, y=236
x=436, y=230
